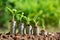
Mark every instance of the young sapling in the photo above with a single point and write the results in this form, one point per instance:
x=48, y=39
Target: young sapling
x=36, y=29
x=21, y=25
x=13, y=22
x=43, y=31
x=29, y=27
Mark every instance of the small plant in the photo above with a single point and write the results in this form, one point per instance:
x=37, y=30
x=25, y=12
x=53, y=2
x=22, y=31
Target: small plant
x=43, y=31
x=29, y=27
x=36, y=29
x=43, y=24
x=13, y=22
x=21, y=24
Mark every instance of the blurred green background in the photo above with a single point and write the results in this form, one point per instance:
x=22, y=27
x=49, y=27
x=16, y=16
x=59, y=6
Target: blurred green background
x=48, y=10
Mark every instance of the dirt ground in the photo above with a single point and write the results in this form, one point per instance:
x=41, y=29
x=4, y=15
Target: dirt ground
x=41, y=36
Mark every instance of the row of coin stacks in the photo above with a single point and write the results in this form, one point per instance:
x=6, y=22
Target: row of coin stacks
x=21, y=29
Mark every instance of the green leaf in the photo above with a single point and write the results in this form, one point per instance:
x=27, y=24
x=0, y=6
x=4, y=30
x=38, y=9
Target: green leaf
x=10, y=10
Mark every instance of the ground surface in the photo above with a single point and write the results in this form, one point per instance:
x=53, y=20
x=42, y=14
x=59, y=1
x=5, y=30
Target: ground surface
x=8, y=36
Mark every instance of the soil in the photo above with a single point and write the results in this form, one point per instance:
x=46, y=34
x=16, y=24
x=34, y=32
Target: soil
x=17, y=36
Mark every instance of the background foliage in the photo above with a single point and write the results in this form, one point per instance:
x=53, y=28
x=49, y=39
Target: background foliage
x=47, y=11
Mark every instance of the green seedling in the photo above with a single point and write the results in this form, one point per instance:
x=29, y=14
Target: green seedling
x=43, y=31
x=29, y=27
x=21, y=25
x=13, y=22
x=36, y=19
x=43, y=24
x=36, y=29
